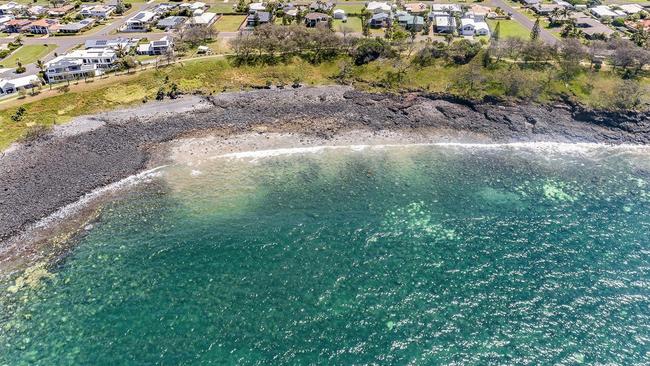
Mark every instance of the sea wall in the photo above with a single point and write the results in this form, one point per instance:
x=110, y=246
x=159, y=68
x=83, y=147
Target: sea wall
x=39, y=177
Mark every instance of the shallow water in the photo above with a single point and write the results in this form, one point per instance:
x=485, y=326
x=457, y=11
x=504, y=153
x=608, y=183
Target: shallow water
x=420, y=255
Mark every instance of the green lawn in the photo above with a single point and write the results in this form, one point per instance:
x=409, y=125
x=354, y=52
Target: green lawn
x=229, y=23
x=509, y=28
x=222, y=8
x=353, y=24
x=351, y=8
x=27, y=54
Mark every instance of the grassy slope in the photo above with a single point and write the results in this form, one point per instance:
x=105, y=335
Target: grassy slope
x=27, y=54
x=216, y=75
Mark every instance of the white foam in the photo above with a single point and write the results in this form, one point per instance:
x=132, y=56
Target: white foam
x=76, y=206
x=559, y=147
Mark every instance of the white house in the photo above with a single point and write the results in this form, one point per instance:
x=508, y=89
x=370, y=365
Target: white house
x=8, y=86
x=445, y=24
x=97, y=11
x=604, y=11
x=140, y=22
x=206, y=18
x=470, y=27
x=124, y=43
x=447, y=8
x=11, y=8
x=339, y=14
x=80, y=63
x=631, y=8
x=255, y=7
x=377, y=7
x=159, y=47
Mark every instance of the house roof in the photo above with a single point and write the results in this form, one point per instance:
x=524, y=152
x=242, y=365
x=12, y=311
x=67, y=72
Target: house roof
x=262, y=16
x=77, y=26
x=416, y=7
x=143, y=16
x=172, y=21
x=374, y=5
x=45, y=23
x=445, y=21
x=61, y=9
x=204, y=18
x=19, y=82
x=18, y=22
x=591, y=26
x=316, y=16
x=380, y=16
x=446, y=8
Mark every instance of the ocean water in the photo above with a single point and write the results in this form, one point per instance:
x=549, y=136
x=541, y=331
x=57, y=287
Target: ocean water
x=421, y=255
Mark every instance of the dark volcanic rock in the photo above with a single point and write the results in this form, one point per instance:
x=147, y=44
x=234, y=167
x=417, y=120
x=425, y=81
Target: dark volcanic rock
x=39, y=178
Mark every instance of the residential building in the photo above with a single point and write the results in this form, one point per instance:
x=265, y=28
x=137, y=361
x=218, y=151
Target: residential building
x=36, y=10
x=172, y=22
x=255, y=7
x=480, y=12
x=410, y=21
x=206, y=19
x=97, y=11
x=60, y=11
x=592, y=28
x=260, y=17
x=604, y=11
x=339, y=14
x=164, y=8
x=113, y=44
x=159, y=47
x=9, y=86
x=545, y=9
x=416, y=8
x=321, y=6
x=44, y=26
x=470, y=27
x=17, y=25
x=447, y=8
x=314, y=19
x=79, y=64
x=529, y=3
x=631, y=8
x=4, y=19
x=445, y=24
x=12, y=8
x=376, y=7
x=563, y=4
x=380, y=20
x=77, y=27
x=140, y=22
x=196, y=8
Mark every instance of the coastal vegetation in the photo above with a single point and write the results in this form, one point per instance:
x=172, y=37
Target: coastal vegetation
x=505, y=68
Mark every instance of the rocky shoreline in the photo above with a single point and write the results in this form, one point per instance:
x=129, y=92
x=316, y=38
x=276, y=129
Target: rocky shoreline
x=40, y=177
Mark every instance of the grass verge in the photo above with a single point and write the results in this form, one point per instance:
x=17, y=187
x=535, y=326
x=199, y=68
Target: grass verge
x=27, y=54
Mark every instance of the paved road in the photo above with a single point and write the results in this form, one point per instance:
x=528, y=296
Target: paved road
x=544, y=35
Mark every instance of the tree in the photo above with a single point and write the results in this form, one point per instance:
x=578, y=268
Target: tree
x=497, y=32
x=40, y=65
x=572, y=52
x=534, y=33
x=365, y=24
x=368, y=50
x=626, y=95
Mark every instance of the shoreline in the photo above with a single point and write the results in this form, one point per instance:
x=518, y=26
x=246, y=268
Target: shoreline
x=37, y=179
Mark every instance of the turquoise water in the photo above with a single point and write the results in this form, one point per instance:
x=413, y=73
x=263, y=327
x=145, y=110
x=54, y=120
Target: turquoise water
x=420, y=255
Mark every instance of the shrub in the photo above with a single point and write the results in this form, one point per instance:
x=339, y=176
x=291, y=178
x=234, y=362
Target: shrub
x=368, y=50
x=36, y=132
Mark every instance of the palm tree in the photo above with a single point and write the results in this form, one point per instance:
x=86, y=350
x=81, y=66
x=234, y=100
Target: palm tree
x=41, y=66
